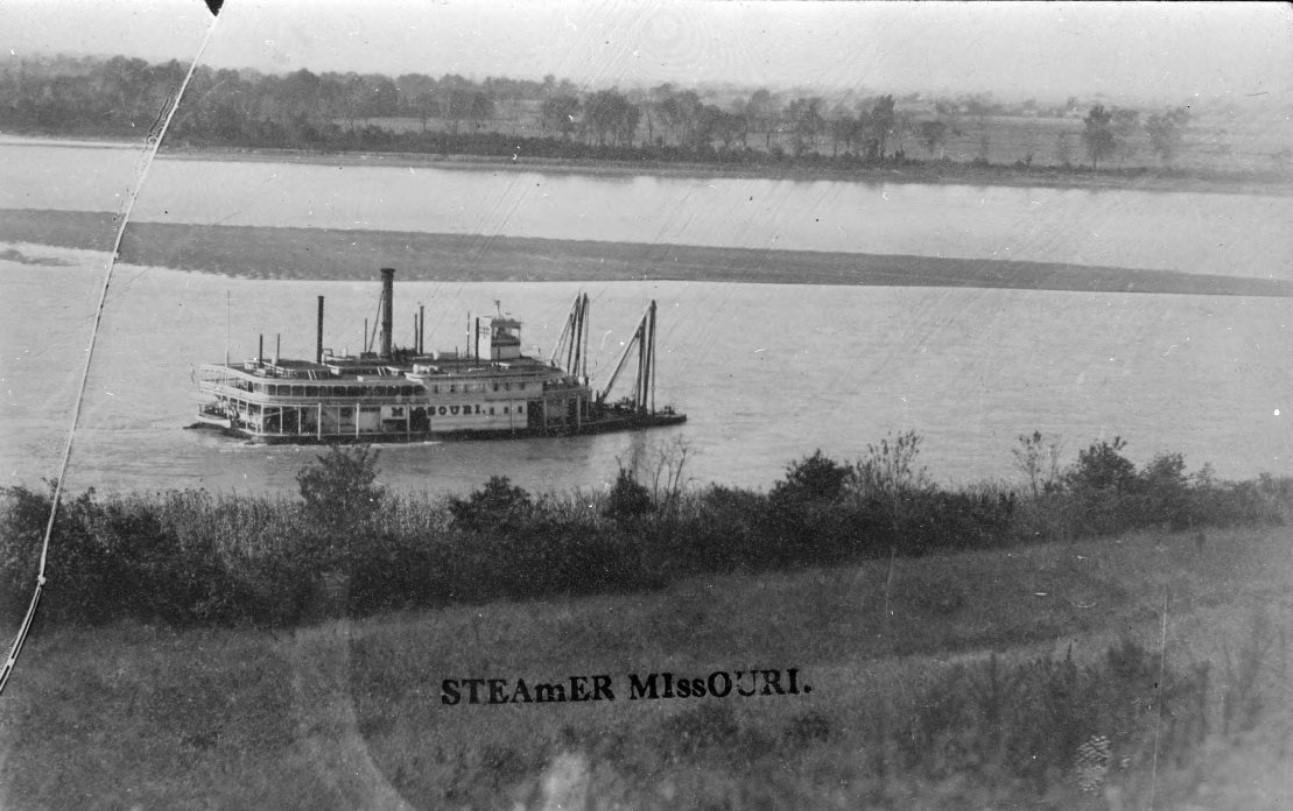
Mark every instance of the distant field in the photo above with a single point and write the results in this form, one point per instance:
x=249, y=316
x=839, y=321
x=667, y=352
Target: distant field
x=301, y=253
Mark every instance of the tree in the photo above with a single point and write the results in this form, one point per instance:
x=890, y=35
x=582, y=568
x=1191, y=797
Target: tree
x=560, y=113
x=353, y=98
x=806, y=118
x=339, y=488
x=480, y=108
x=608, y=115
x=457, y=96
x=424, y=106
x=1063, y=149
x=1038, y=458
x=1166, y=131
x=680, y=112
x=761, y=110
x=1098, y=135
x=883, y=120
x=985, y=140
x=845, y=129
x=933, y=134
x=1125, y=123
x=380, y=97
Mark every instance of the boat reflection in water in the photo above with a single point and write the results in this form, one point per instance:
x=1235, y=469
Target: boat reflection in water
x=491, y=390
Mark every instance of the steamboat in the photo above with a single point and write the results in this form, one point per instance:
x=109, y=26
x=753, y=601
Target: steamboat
x=490, y=389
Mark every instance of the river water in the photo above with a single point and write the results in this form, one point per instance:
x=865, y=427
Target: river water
x=767, y=373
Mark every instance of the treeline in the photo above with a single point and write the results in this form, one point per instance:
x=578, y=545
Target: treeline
x=193, y=558
x=500, y=117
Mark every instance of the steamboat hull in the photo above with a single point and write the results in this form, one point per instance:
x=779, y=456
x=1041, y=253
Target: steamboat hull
x=610, y=424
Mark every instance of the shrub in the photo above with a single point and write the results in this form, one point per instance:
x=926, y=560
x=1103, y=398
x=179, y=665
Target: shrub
x=184, y=557
x=1102, y=468
x=890, y=470
x=1163, y=486
x=1037, y=457
x=816, y=478
x=22, y=530
x=339, y=488
x=629, y=500
x=1103, y=486
x=498, y=506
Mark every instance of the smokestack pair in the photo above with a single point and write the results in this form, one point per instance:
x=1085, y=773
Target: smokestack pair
x=388, y=321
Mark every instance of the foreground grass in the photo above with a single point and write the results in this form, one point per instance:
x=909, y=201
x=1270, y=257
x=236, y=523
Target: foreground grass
x=348, y=714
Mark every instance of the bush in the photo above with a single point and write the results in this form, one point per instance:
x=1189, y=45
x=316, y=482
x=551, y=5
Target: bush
x=1102, y=468
x=629, y=500
x=813, y=479
x=339, y=488
x=497, y=507
x=184, y=557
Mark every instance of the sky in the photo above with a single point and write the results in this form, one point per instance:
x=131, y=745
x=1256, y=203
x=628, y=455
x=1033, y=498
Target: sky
x=1166, y=52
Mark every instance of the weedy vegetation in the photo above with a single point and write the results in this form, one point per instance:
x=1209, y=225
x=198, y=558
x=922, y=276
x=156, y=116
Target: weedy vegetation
x=987, y=646
x=194, y=558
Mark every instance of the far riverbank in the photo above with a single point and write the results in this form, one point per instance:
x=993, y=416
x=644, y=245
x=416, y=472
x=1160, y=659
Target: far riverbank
x=913, y=171
x=943, y=172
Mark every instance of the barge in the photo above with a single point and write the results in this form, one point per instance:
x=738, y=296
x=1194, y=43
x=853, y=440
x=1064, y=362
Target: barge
x=489, y=390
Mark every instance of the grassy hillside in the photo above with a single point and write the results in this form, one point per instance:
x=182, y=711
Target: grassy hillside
x=349, y=714
x=837, y=650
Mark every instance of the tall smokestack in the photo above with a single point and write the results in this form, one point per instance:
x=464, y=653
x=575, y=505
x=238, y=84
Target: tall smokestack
x=388, y=310
x=318, y=336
